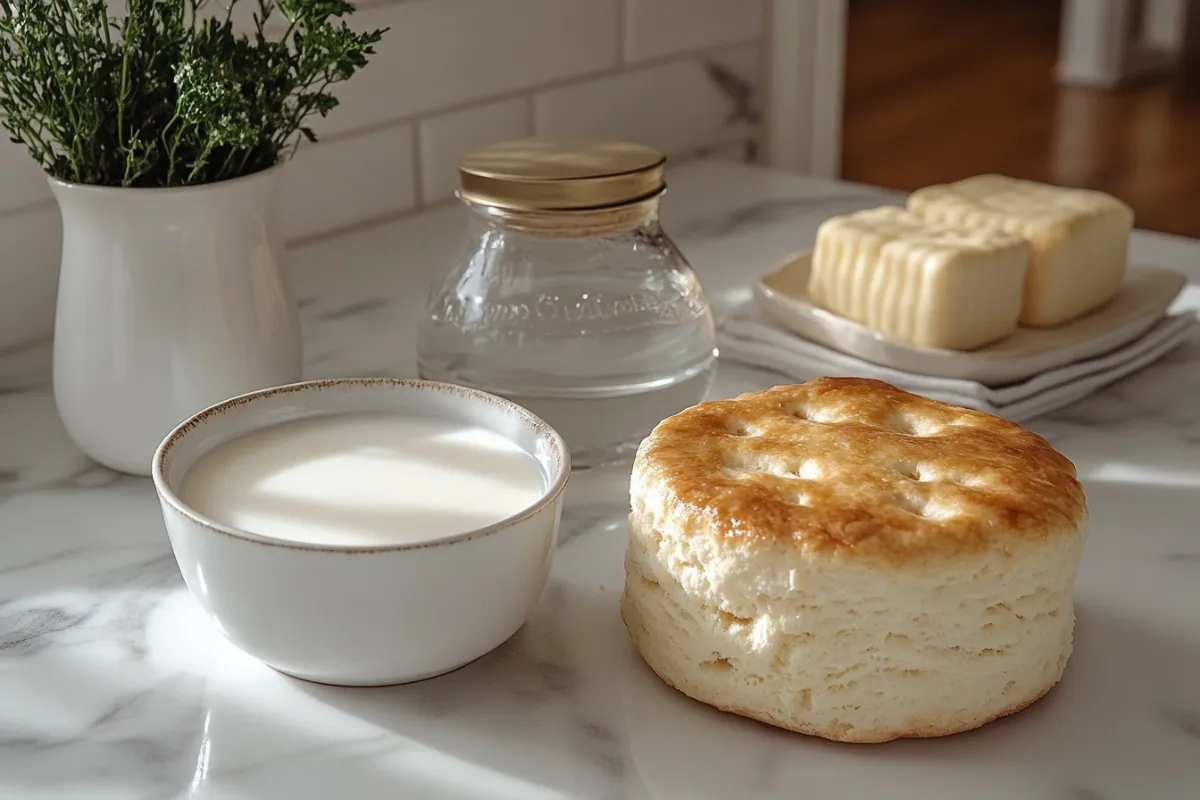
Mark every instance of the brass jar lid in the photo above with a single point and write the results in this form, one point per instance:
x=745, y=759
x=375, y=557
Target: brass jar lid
x=561, y=174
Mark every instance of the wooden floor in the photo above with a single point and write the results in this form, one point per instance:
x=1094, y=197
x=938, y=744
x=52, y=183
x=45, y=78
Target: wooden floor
x=937, y=90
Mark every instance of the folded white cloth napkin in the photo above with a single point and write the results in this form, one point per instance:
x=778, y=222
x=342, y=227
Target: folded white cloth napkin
x=746, y=336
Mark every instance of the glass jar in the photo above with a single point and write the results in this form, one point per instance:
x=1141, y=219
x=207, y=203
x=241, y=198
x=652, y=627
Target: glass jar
x=567, y=296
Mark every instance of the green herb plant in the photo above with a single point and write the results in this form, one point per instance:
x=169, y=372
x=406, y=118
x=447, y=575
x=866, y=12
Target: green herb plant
x=173, y=93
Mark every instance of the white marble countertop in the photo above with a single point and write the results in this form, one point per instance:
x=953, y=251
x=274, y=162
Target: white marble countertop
x=114, y=685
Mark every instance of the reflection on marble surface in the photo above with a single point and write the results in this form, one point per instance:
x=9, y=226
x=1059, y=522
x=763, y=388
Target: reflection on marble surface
x=114, y=685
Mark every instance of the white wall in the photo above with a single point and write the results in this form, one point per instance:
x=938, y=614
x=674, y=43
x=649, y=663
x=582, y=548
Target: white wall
x=687, y=76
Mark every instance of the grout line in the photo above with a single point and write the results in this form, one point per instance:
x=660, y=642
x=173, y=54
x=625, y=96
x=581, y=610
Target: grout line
x=365, y=4
x=364, y=224
x=27, y=344
x=756, y=147
x=530, y=116
x=17, y=211
x=622, y=32
x=418, y=178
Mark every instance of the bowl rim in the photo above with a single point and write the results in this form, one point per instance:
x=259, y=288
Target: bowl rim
x=548, y=497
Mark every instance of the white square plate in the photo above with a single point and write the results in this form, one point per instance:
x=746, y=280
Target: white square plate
x=1144, y=299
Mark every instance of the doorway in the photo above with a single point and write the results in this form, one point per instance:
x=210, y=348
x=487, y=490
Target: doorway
x=937, y=90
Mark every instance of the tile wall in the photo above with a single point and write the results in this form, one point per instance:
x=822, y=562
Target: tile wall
x=451, y=75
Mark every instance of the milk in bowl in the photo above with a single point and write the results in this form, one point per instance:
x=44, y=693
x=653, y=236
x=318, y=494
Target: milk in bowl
x=364, y=532
x=364, y=479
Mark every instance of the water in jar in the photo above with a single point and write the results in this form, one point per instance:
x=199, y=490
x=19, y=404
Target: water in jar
x=600, y=335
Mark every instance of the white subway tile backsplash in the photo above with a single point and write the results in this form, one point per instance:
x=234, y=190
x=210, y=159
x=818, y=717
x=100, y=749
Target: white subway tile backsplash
x=31, y=242
x=332, y=185
x=678, y=107
x=450, y=76
x=443, y=53
x=22, y=181
x=445, y=138
x=657, y=28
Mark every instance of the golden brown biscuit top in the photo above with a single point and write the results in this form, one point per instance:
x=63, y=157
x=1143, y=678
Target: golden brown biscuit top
x=857, y=466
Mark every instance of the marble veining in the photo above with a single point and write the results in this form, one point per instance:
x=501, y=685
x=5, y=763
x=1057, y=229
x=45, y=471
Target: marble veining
x=1186, y=719
x=738, y=90
x=113, y=684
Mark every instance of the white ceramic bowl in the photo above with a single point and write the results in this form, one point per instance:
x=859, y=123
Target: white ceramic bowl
x=364, y=616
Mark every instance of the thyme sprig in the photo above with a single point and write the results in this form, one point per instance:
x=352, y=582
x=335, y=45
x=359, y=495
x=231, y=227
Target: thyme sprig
x=172, y=93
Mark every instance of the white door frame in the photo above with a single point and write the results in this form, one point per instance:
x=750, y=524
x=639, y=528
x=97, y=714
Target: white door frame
x=805, y=80
x=1100, y=46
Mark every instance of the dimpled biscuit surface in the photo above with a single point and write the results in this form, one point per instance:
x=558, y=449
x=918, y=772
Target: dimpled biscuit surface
x=845, y=559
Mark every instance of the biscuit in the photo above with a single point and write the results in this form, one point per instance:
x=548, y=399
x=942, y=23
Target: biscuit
x=845, y=559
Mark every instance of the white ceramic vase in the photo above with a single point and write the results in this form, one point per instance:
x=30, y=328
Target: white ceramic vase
x=169, y=301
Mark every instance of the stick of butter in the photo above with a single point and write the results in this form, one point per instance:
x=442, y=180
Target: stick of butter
x=1079, y=238
x=917, y=281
